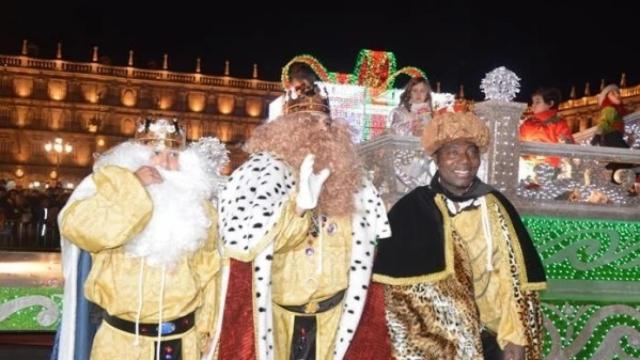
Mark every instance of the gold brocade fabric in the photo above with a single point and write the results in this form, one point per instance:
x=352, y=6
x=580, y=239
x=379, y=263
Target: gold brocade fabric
x=299, y=277
x=493, y=289
x=104, y=222
x=306, y=268
x=119, y=210
x=327, y=325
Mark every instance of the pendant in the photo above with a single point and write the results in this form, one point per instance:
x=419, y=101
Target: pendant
x=332, y=228
x=309, y=251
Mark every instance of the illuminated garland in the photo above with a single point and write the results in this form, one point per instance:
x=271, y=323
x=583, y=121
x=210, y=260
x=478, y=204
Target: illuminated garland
x=375, y=70
x=313, y=63
x=410, y=71
x=581, y=330
x=581, y=249
x=374, y=67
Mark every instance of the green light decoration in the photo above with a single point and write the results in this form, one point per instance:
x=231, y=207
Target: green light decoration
x=375, y=70
x=577, y=249
x=311, y=61
x=591, y=331
x=410, y=71
x=595, y=250
x=30, y=309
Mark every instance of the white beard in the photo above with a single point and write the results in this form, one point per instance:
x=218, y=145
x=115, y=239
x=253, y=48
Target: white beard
x=179, y=224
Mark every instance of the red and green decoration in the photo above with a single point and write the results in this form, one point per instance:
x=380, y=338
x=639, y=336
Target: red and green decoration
x=376, y=70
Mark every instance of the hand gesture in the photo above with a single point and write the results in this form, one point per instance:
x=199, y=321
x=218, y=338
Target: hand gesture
x=310, y=184
x=148, y=175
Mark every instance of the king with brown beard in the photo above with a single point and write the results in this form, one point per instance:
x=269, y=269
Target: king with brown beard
x=299, y=220
x=146, y=217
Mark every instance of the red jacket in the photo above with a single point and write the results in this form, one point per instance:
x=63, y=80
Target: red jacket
x=547, y=127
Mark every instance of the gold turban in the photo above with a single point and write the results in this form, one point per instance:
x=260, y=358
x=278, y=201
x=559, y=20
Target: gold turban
x=447, y=127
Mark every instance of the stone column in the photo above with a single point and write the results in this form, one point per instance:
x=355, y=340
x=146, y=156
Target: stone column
x=500, y=164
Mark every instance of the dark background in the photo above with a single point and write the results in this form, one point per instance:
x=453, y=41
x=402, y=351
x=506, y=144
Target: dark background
x=455, y=42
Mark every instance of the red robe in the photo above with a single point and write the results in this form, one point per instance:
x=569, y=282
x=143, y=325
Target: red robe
x=371, y=340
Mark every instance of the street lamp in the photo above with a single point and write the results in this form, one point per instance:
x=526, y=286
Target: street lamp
x=59, y=147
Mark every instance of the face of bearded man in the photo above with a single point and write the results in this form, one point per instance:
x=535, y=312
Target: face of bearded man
x=167, y=159
x=180, y=223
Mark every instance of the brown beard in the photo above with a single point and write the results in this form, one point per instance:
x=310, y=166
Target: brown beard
x=291, y=137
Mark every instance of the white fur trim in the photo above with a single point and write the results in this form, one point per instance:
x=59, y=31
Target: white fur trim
x=70, y=255
x=263, y=311
x=369, y=222
x=251, y=203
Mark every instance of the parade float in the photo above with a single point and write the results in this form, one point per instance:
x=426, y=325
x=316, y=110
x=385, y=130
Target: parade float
x=584, y=219
x=365, y=97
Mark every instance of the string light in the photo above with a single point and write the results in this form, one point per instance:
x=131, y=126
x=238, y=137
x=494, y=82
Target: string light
x=500, y=84
x=407, y=70
x=570, y=319
x=311, y=61
x=375, y=70
x=575, y=238
x=552, y=187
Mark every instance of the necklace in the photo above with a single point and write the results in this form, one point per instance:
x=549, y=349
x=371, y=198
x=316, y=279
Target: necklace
x=315, y=231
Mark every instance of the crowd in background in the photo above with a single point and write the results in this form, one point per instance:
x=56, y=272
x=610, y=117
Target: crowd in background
x=28, y=216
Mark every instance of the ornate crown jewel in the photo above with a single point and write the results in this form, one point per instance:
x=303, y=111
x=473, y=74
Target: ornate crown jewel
x=161, y=133
x=303, y=98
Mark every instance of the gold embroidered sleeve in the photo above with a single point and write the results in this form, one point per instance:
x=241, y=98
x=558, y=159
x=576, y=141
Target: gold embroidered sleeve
x=207, y=263
x=119, y=210
x=291, y=229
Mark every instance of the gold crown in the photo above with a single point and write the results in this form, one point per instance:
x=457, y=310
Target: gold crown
x=161, y=134
x=300, y=99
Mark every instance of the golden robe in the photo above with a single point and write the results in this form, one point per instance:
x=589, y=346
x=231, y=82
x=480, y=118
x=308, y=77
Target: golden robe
x=102, y=224
x=298, y=277
x=493, y=289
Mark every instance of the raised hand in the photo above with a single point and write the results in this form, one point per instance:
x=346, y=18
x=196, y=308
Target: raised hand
x=310, y=184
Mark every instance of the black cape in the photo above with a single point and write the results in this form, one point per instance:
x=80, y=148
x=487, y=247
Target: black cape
x=417, y=246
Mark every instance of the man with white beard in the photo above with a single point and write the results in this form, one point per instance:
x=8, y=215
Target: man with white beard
x=146, y=217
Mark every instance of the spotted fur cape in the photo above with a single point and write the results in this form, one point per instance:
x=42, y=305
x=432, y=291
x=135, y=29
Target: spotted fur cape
x=249, y=208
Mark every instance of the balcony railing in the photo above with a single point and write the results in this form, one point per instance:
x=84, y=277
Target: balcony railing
x=131, y=72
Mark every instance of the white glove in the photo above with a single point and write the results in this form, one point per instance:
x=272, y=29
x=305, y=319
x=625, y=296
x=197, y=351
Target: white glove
x=310, y=184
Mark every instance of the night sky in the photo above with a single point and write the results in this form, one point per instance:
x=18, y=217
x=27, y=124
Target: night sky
x=454, y=42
